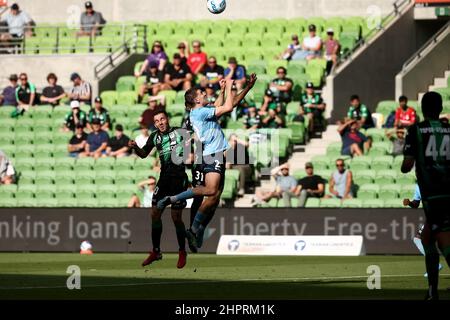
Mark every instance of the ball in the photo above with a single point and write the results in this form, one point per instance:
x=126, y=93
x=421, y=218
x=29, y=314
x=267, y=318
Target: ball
x=85, y=246
x=216, y=6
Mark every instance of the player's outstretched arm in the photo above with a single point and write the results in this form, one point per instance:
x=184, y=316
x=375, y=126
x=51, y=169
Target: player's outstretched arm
x=228, y=105
x=250, y=84
x=141, y=152
x=221, y=98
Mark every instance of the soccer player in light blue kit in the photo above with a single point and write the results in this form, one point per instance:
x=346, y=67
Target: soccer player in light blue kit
x=204, y=120
x=415, y=203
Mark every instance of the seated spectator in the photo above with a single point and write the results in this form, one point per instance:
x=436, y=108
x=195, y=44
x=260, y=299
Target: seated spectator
x=281, y=86
x=19, y=24
x=141, y=139
x=97, y=141
x=332, y=48
x=153, y=83
x=182, y=51
x=213, y=73
x=177, y=76
x=81, y=90
x=238, y=158
x=398, y=141
x=7, y=171
x=404, y=116
x=91, y=21
x=25, y=95
x=100, y=113
x=359, y=112
x=285, y=187
x=270, y=102
x=197, y=59
x=8, y=96
x=76, y=117
x=236, y=72
x=147, y=187
x=293, y=50
x=53, y=93
x=353, y=142
x=211, y=95
x=253, y=120
x=157, y=55
x=311, y=106
x=118, y=145
x=311, y=186
x=341, y=182
x=311, y=45
x=273, y=120
x=155, y=105
x=77, y=144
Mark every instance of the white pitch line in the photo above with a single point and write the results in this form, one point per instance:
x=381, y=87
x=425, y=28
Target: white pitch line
x=219, y=281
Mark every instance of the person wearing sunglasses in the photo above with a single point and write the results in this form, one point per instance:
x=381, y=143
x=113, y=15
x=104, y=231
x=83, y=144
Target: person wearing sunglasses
x=281, y=86
x=157, y=55
x=25, y=95
x=341, y=182
x=197, y=59
x=212, y=74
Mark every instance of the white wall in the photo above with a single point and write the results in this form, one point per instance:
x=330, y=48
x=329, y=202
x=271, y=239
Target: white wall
x=61, y=11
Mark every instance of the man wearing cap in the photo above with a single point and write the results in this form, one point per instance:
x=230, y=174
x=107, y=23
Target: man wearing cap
x=311, y=45
x=178, y=76
x=311, y=106
x=235, y=72
x=197, y=59
x=100, y=113
x=8, y=96
x=77, y=144
x=81, y=90
x=213, y=73
x=310, y=186
x=17, y=21
x=75, y=117
x=91, y=21
x=292, y=50
x=332, y=47
x=155, y=105
x=118, y=145
x=97, y=141
x=153, y=83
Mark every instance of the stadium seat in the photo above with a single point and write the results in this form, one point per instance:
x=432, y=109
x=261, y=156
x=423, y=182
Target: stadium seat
x=385, y=176
x=373, y=203
x=330, y=203
x=368, y=191
x=361, y=177
x=126, y=98
x=352, y=203
x=360, y=163
x=382, y=162
x=388, y=191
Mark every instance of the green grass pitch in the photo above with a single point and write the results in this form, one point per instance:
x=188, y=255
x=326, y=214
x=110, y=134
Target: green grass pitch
x=207, y=276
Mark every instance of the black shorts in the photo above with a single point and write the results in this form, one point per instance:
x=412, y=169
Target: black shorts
x=170, y=186
x=438, y=214
x=211, y=163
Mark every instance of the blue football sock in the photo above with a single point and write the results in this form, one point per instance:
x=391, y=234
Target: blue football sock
x=182, y=196
x=198, y=220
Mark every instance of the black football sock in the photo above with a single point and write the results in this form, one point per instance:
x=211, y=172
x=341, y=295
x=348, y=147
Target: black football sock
x=156, y=234
x=432, y=266
x=181, y=235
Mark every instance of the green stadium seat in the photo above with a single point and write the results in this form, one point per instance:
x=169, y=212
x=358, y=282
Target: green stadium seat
x=388, y=191
x=85, y=201
x=298, y=132
x=352, y=203
x=84, y=164
x=385, y=176
x=386, y=106
x=368, y=191
x=109, y=97
x=126, y=98
x=104, y=164
x=321, y=162
x=382, y=162
x=330, y=203
x=393, y=203
x=107, y=202
x=324, y=173
x=373, y=203
x=360, y=163
x=176, y=109
x=361, y=177
x=312, y=203
x=334, y=149
x=125, y=162
x=8, y=202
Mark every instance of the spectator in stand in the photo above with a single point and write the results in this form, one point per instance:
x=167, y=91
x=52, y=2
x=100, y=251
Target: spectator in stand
x=75, y=117
x=25, y=95
x=81, y=90
x=154, y=82
x=53, y=93
x=281, y=86
x=118, y=145
x=404, y=116
x=97, y=141
x=197, y=59
x=332, y=48
x=91, y=21
x=359, y=112
x=147, y=187
x=311, y=186
x=341, y=182
x=293, y=51
x=211, y=95
x=273, y=120
x=213, y=73
x=270, y=102
x=311, y=45
x=286, y=186
x=253, y=120
x=7, y=171
x=77, y=144
x=157, y=55
x=353, y=142
x=19, y=24
x=8, y=96
x=100, y=113
x=182, y=51
x=155, y=105
x=178, y=76
x=238, y=158
x=236, y=72
x=141, y=139
x=311, y=106
x=398, y=141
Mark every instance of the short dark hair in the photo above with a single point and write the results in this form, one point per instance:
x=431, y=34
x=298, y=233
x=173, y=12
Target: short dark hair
x=51, y=75
x=161, y=112
x=354, y=97
x=403, y=98
x=189, y=97
x=340, y=159
x=151, y=177
x=282, y=68
x=431, y=105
